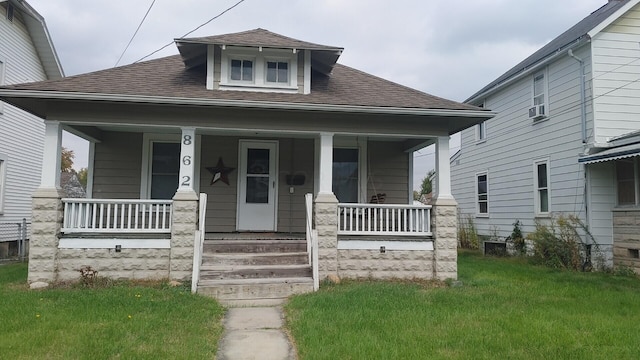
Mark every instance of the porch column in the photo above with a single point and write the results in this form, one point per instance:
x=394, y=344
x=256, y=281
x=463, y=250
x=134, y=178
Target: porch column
x=184, y=211
x=326, y=211
x=444, y=217
x=47, y=213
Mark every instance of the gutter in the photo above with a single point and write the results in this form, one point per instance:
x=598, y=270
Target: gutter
x=57, y=95
x=533, y=68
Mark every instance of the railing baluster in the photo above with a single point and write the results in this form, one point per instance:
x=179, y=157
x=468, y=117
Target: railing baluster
x=384, y=219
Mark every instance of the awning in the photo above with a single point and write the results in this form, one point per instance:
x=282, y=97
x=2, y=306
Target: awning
x=612, y=154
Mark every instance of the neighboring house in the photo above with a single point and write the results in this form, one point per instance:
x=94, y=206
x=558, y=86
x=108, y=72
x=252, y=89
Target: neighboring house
x=255, y=120
x=26, y=55
x=71, y=185
x=554, y=146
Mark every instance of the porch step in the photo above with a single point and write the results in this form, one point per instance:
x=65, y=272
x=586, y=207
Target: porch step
x=254, y=292
x=211, y=272
x=289, y=258
x=239, y=271
x=254, y=246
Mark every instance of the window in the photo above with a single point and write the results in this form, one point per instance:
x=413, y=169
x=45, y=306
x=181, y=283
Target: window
x=483, y=193
x=3, y=175
x=345, y=175
x=626, y=181
x=541, y=182
x=165, y=170
x=278, y=71
x=481, y=131
x=1, y=82
x=540, y=98
x=241, y=70
x=10, y=12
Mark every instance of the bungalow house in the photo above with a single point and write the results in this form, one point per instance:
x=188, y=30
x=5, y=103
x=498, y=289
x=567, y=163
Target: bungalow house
x=26, y=54
x=252, y=121
x=564, y=137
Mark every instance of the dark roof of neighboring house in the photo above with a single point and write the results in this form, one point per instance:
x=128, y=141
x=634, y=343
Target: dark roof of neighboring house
x=560, y=43
x=168, y=77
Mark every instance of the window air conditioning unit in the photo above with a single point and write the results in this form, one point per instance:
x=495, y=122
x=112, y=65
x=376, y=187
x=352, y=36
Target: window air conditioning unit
x=537, y=112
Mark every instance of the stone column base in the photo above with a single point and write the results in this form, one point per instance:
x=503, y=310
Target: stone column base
x=445, y=230
x=326, y=220
x=184, y=217
x=46, y=222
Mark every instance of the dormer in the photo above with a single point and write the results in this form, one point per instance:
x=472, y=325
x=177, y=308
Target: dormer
x=258, y=60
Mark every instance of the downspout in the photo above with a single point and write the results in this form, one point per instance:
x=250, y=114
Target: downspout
x=583, y=104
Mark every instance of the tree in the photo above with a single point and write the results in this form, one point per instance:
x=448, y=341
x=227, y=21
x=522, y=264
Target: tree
x=82, y=177
x=66, y=161
x=427, y=183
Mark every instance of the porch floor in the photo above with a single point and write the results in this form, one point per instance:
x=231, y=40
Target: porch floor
x=254, y=236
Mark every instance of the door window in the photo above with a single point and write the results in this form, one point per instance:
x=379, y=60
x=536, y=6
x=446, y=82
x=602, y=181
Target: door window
x=257, y=176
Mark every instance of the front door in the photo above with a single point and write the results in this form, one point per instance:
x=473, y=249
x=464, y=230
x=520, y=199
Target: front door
x=257, y=186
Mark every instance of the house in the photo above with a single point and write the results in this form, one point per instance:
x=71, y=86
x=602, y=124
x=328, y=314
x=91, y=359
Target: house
x=26, y=54
x=253, y=122
x=561, y=142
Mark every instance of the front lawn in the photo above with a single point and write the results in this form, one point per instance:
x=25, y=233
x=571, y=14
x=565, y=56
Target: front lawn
x=126, y=321
x=504, y=309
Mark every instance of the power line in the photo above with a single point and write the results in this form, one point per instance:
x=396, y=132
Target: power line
x=200, y=26
x=135, y=33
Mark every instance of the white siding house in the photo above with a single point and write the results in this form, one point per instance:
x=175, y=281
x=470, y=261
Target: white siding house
x=551, y=149
x=26, y=55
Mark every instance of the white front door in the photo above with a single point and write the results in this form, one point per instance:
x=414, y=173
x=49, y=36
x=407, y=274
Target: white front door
x=257, y=185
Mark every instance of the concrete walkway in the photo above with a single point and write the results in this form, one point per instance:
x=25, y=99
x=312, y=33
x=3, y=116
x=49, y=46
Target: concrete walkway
x=255, y=333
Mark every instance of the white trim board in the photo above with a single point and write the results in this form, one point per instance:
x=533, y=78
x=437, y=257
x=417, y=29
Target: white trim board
x=388, y=245
x=85, y=243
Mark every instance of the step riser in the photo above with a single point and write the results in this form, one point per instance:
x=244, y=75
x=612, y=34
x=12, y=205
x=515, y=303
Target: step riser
x=221, y=260
x=253, y=248
x=254, y=274
x=254, y=291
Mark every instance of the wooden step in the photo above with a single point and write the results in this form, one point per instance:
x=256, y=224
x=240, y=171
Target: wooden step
x=212, y=272
x=254, y=246
x=290, y=258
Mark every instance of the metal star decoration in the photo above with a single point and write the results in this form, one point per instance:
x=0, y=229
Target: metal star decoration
x=220, y=172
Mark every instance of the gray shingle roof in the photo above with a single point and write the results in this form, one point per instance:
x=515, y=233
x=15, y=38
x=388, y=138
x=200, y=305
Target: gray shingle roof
x=168, y=77
x=560, y=43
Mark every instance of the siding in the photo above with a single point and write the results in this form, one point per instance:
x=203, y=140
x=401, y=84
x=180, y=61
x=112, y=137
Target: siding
x=118, y=166
x=388, y=166
x=514, y=142
x=21, y=134
x=602, y=200
x=616, y=77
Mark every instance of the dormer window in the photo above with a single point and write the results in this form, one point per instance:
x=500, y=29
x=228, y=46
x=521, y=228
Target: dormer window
x=278, y=71
x=241, y=70
x=258, y=69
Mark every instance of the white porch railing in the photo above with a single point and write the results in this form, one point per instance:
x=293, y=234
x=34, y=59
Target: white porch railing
x=312, y=242
x=383, y=219
x=113, y=216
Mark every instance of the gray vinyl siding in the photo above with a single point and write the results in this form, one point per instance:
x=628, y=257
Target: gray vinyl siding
x=21, y=134
x=118, y=166
x=602, y=200
x=616, y=77
x=514, y=142
x=296, y=158
x=388, y=166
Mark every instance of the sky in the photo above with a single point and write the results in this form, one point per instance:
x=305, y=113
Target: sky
x=447, y=48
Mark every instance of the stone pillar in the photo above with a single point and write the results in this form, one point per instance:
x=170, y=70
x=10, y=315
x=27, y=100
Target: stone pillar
x=326, y=220
x=445, y=233
x=46, y=222
x=184, y=217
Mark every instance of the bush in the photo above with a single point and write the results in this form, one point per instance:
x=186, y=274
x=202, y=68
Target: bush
x=560, y=244
x=467, y=233
x=517, y=239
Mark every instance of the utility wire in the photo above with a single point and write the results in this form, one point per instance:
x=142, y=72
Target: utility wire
x=200, y=26
x=135, y=33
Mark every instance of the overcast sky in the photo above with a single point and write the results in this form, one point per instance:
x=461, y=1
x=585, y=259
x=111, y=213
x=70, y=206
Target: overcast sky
x=446, y=48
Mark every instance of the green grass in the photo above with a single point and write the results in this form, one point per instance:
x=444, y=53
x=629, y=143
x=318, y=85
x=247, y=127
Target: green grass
x=505, y=309
x=123, y=321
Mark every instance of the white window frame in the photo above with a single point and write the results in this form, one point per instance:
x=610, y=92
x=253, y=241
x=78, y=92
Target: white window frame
x=478, y=212
x=481, y=132
x=277, y=60
x=2, y=70
x=3, y=176
x=361, y=144
x=536, y=189
x=147, y=160
x=636, y=184
x=259, y=56
x=545, y=83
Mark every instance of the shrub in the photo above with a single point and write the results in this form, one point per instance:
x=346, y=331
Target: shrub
x=467, y=233
x=560, y=243
x=517, y=239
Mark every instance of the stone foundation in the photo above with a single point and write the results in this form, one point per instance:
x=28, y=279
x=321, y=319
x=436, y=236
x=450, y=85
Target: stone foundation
x=46, y=221
x=326, y=222
x=184, y=223
x=395, y=264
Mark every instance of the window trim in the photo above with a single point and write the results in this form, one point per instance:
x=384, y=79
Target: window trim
x=267, y=60
x=636, y=184
x=260, y=57
x=3, y=176
x=3, y=64
x=361, y=144
x=536, y=189
x=545, y=82
x=481, y=132
x=477, y=198
x=147, y=160
x=229, y=80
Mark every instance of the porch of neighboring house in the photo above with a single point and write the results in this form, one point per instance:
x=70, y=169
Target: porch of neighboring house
x=254, y=219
